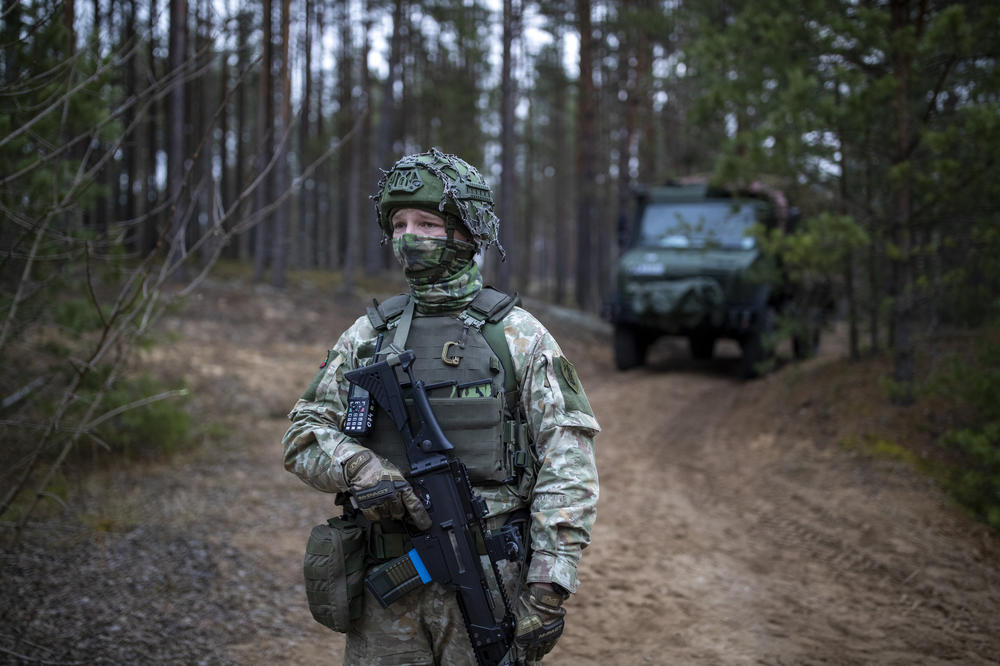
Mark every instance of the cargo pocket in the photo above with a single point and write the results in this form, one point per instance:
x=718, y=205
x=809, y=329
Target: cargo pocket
x=475, y=427
x=334, y=569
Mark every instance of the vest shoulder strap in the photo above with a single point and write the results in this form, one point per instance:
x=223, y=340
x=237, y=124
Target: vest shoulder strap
x=380, y=315
x=491, y=305
x=495, y=338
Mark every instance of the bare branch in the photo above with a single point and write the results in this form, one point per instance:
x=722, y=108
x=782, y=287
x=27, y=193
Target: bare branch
x=70, y=442
x=8, y=322
x=87, y=427
x=23, y=392
x=65, y=97
x=263, y=212
x=90, y=286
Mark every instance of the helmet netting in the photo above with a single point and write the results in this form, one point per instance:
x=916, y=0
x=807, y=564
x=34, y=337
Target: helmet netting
x=463, y=187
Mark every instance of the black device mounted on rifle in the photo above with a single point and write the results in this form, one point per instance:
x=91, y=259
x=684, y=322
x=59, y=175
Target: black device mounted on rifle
x=449, y=552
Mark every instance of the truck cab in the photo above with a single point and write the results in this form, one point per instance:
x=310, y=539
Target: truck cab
x=692, y=269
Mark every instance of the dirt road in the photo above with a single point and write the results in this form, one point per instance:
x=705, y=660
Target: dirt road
x=727, y=533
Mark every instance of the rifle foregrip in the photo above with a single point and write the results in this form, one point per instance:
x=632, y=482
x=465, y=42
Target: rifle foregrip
x=389, y=581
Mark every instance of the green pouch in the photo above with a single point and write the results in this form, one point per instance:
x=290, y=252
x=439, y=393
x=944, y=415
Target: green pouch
x=334, y=570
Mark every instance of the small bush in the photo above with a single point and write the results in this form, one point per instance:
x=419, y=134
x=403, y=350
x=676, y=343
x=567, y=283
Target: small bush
x=974, y=383
x=976, y=483
x=76, y=315
x=159, y=428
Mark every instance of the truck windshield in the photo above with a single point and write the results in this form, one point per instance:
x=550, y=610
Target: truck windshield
x=701, y=224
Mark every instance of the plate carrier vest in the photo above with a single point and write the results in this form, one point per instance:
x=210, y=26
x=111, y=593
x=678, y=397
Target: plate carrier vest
x=481, y=414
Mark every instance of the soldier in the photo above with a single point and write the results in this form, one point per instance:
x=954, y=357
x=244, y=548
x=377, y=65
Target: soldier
x=521, y=422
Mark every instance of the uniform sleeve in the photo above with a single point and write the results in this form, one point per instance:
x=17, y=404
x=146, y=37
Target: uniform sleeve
x=564, y=499
x=315, y=448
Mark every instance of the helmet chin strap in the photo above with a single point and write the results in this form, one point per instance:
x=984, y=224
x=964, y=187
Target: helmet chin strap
x=453, y=224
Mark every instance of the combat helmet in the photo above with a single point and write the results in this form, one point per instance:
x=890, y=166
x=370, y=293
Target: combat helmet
x=444, y=183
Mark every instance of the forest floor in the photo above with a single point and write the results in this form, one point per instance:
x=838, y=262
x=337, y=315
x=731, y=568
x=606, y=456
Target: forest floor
x=734, y=525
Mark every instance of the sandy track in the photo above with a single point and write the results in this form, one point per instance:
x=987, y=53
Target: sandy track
x=725, y=535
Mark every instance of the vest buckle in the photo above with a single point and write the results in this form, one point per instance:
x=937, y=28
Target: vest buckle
x=450, y=360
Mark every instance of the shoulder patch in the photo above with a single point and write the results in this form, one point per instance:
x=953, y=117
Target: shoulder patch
x=567, y=374
x=310, y=393
x=574, y=398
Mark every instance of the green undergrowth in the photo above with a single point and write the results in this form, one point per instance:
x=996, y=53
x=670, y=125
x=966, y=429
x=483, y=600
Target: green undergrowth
x=120, y=430
x=952, y=433
x=159, y=428
x=970, y=379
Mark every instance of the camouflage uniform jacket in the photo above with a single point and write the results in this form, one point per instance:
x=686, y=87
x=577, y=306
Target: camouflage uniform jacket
x=561, y=424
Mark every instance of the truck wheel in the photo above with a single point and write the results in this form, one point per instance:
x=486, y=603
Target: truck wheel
x=630, y=347
x=702, y=346
x=758, y=347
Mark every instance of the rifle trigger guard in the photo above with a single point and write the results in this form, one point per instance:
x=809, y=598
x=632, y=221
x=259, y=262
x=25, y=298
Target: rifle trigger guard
x=450, y=360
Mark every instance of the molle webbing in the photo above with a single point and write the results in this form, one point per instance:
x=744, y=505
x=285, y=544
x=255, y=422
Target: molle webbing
x=486, y=427
x=485, y=313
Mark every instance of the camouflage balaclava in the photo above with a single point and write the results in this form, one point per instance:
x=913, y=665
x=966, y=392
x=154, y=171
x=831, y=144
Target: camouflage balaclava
x=441, y=272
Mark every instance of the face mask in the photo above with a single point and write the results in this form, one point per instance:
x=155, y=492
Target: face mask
x=428, y=259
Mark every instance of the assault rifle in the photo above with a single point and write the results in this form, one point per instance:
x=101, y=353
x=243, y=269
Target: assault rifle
x=449, y=552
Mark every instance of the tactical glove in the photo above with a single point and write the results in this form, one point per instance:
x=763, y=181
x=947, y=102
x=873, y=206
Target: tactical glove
x=539, y=622
x=381, y=492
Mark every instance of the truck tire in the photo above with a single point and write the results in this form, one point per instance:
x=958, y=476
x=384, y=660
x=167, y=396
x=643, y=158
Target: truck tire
x=702, y=346
x=631, y=345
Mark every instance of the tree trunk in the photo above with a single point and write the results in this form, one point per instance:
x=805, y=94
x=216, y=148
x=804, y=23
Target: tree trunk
x=150, y=226
x=507, y=148
x=648, y=148
x=388, y=125
x=304, y=230
x=585, y=159
x=243, y=59
x=528, y=213
x=204, y=139
x=265, y=145
x=175, y=142
x=629, y=76
x=321, y=201
x=344, y=121
x=279, y=258
x=353, y=246
x=225, y=177
x=903, y=303
x=372, y=232
x=104, y=174
x=11, y=31
x=126, y=201
x=561, y=242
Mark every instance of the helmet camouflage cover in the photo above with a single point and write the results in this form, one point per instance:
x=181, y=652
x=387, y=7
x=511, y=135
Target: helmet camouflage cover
x=445, y=184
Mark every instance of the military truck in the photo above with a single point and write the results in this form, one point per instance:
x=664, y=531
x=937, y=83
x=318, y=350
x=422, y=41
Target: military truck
x=690, y=269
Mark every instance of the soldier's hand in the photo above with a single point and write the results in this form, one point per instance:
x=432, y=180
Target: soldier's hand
x=381, y=492
x=539, y=621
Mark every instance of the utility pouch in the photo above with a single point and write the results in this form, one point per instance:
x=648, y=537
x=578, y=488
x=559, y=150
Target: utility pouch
x=334, y=570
